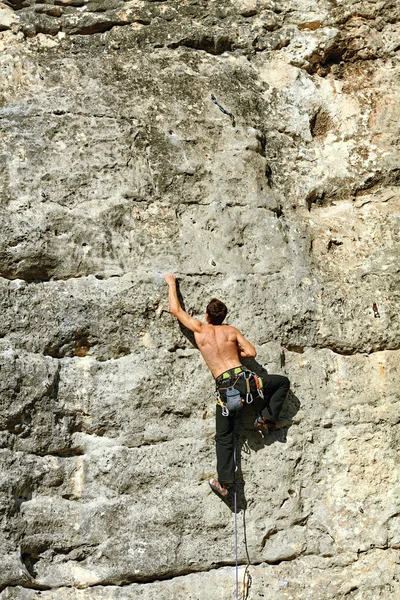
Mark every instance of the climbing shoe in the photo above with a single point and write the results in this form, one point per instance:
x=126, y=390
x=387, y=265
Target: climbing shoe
x=264, y=425
x=219, y=488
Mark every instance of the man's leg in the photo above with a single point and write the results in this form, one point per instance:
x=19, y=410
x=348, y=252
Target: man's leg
x=225, y=427
x=275, y=388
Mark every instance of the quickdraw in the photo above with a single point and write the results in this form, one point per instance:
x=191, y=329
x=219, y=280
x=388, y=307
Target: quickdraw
x=259, y=386
x=247, y=375
x=249, y=395
x=225, y=411
x=222, y=109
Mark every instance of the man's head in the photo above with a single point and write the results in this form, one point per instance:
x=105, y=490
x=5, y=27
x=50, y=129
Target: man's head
x=216, y=312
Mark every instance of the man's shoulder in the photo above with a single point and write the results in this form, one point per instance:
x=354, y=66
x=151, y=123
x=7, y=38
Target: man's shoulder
x=224, y=327
x=232, y=327
x=230, y=330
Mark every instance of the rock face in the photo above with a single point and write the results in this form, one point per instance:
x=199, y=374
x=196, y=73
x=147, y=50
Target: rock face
x=117, y=166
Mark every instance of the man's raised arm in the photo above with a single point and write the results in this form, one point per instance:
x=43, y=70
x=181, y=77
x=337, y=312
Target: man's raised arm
x=175, y=306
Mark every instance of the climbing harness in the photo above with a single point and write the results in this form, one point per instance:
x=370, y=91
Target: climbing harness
x=234, y=401
x=222, y=109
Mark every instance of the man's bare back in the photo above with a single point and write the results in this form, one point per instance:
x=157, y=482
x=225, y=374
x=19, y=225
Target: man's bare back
x=221, y=346
x=218, y=345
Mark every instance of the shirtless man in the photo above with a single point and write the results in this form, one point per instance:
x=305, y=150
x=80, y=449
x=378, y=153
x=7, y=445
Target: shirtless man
x=222, y=347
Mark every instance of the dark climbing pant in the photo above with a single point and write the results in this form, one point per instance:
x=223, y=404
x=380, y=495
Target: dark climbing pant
x=275, y=388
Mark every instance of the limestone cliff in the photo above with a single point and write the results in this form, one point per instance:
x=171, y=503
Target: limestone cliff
x=117, y=166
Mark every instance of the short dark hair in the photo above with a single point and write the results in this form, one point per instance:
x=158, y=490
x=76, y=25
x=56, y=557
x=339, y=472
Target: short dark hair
x=216, y=311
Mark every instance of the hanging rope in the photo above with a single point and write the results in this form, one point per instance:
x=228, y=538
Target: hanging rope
x=235, y=509
x=247, y=579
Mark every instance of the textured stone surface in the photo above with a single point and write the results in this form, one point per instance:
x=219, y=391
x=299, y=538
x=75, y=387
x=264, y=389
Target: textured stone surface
x=116, y=166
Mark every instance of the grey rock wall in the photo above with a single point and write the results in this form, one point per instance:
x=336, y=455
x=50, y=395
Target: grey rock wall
x=117, y=167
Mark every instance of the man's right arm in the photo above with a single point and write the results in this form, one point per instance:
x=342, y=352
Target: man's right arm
x=246, y=348
x=175, y=306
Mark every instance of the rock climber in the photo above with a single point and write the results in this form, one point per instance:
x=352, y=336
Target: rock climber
x=222, y=347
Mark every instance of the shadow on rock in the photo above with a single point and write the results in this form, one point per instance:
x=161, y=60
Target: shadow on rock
x=251, y=439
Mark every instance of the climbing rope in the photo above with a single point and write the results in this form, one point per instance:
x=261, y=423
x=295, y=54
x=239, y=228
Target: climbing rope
x=247, y=579
x=235, y=510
